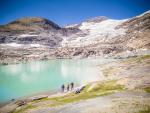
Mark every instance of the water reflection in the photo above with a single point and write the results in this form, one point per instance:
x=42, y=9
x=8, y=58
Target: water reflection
x=80, y=71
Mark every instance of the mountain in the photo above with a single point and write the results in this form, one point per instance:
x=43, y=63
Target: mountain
x=30, y=24
x=33, y=30
x=109, y=37
x=38, y=38
x=27, y=30
x=111, y=31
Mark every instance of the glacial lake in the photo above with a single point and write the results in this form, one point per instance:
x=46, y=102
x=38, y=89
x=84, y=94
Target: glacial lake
x=20, y=80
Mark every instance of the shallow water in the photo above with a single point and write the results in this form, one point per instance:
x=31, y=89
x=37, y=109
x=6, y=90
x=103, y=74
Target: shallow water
x=26, y=79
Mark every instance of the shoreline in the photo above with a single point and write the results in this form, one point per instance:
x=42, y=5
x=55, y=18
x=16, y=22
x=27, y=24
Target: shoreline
x=32, y=97
x=2, y=63
x=11, y=106
x=42, y=95
x=28, y=97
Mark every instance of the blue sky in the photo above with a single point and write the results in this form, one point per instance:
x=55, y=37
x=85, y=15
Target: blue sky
x=65, y=12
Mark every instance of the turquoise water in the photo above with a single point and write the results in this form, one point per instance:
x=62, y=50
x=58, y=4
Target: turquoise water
x=26, y=79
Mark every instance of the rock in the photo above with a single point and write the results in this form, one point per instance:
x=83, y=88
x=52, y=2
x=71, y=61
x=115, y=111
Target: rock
x=39, y=97
x=79, y=89
x=21, y=103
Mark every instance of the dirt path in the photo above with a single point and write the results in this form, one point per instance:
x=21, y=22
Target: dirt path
x=105, y=104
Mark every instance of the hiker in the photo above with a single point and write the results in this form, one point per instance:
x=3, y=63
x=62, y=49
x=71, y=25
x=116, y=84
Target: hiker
x=63, y=88
x=68, y=87
x=72, y=85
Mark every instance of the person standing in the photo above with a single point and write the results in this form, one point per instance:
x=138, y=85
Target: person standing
x=68, y=87
x=63, y=88
x=72, y=85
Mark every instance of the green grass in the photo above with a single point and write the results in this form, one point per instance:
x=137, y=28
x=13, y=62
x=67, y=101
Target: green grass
x=25, y=108
x=100, y=89
x=145, y=110
x=145, y=57
x=135, y=60
x=147, y=89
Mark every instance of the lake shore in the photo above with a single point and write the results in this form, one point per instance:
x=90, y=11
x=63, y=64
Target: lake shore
x=11, y=105
x=126, y=89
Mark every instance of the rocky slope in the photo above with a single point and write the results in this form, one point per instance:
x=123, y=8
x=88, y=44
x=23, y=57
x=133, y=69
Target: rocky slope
x=33, y=31
x=38, y=38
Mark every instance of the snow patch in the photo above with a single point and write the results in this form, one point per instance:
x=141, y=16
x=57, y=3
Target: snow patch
x=26, y=35
x=106, y=27
x=12, y=44
x=97, y=32
x=22, y=45
x=35, y=45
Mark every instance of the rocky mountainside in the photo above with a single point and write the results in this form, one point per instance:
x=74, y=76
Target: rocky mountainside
x=33, y=31
x=39, y=38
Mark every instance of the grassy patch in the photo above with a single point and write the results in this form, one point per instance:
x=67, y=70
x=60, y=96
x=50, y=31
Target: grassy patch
x=147, y=89
x=25, y=108
x=145, y=110
x=136, y=60
x=145, y=57
x=90, y=91
x=106, y=86
x=99, y=89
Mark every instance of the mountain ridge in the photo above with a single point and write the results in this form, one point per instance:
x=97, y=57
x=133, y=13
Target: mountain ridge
x=29, y=23
x=97, y=37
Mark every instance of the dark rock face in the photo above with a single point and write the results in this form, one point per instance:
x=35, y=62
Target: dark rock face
x=2, y=39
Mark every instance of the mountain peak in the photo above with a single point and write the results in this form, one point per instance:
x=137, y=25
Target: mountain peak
x=30, y=23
